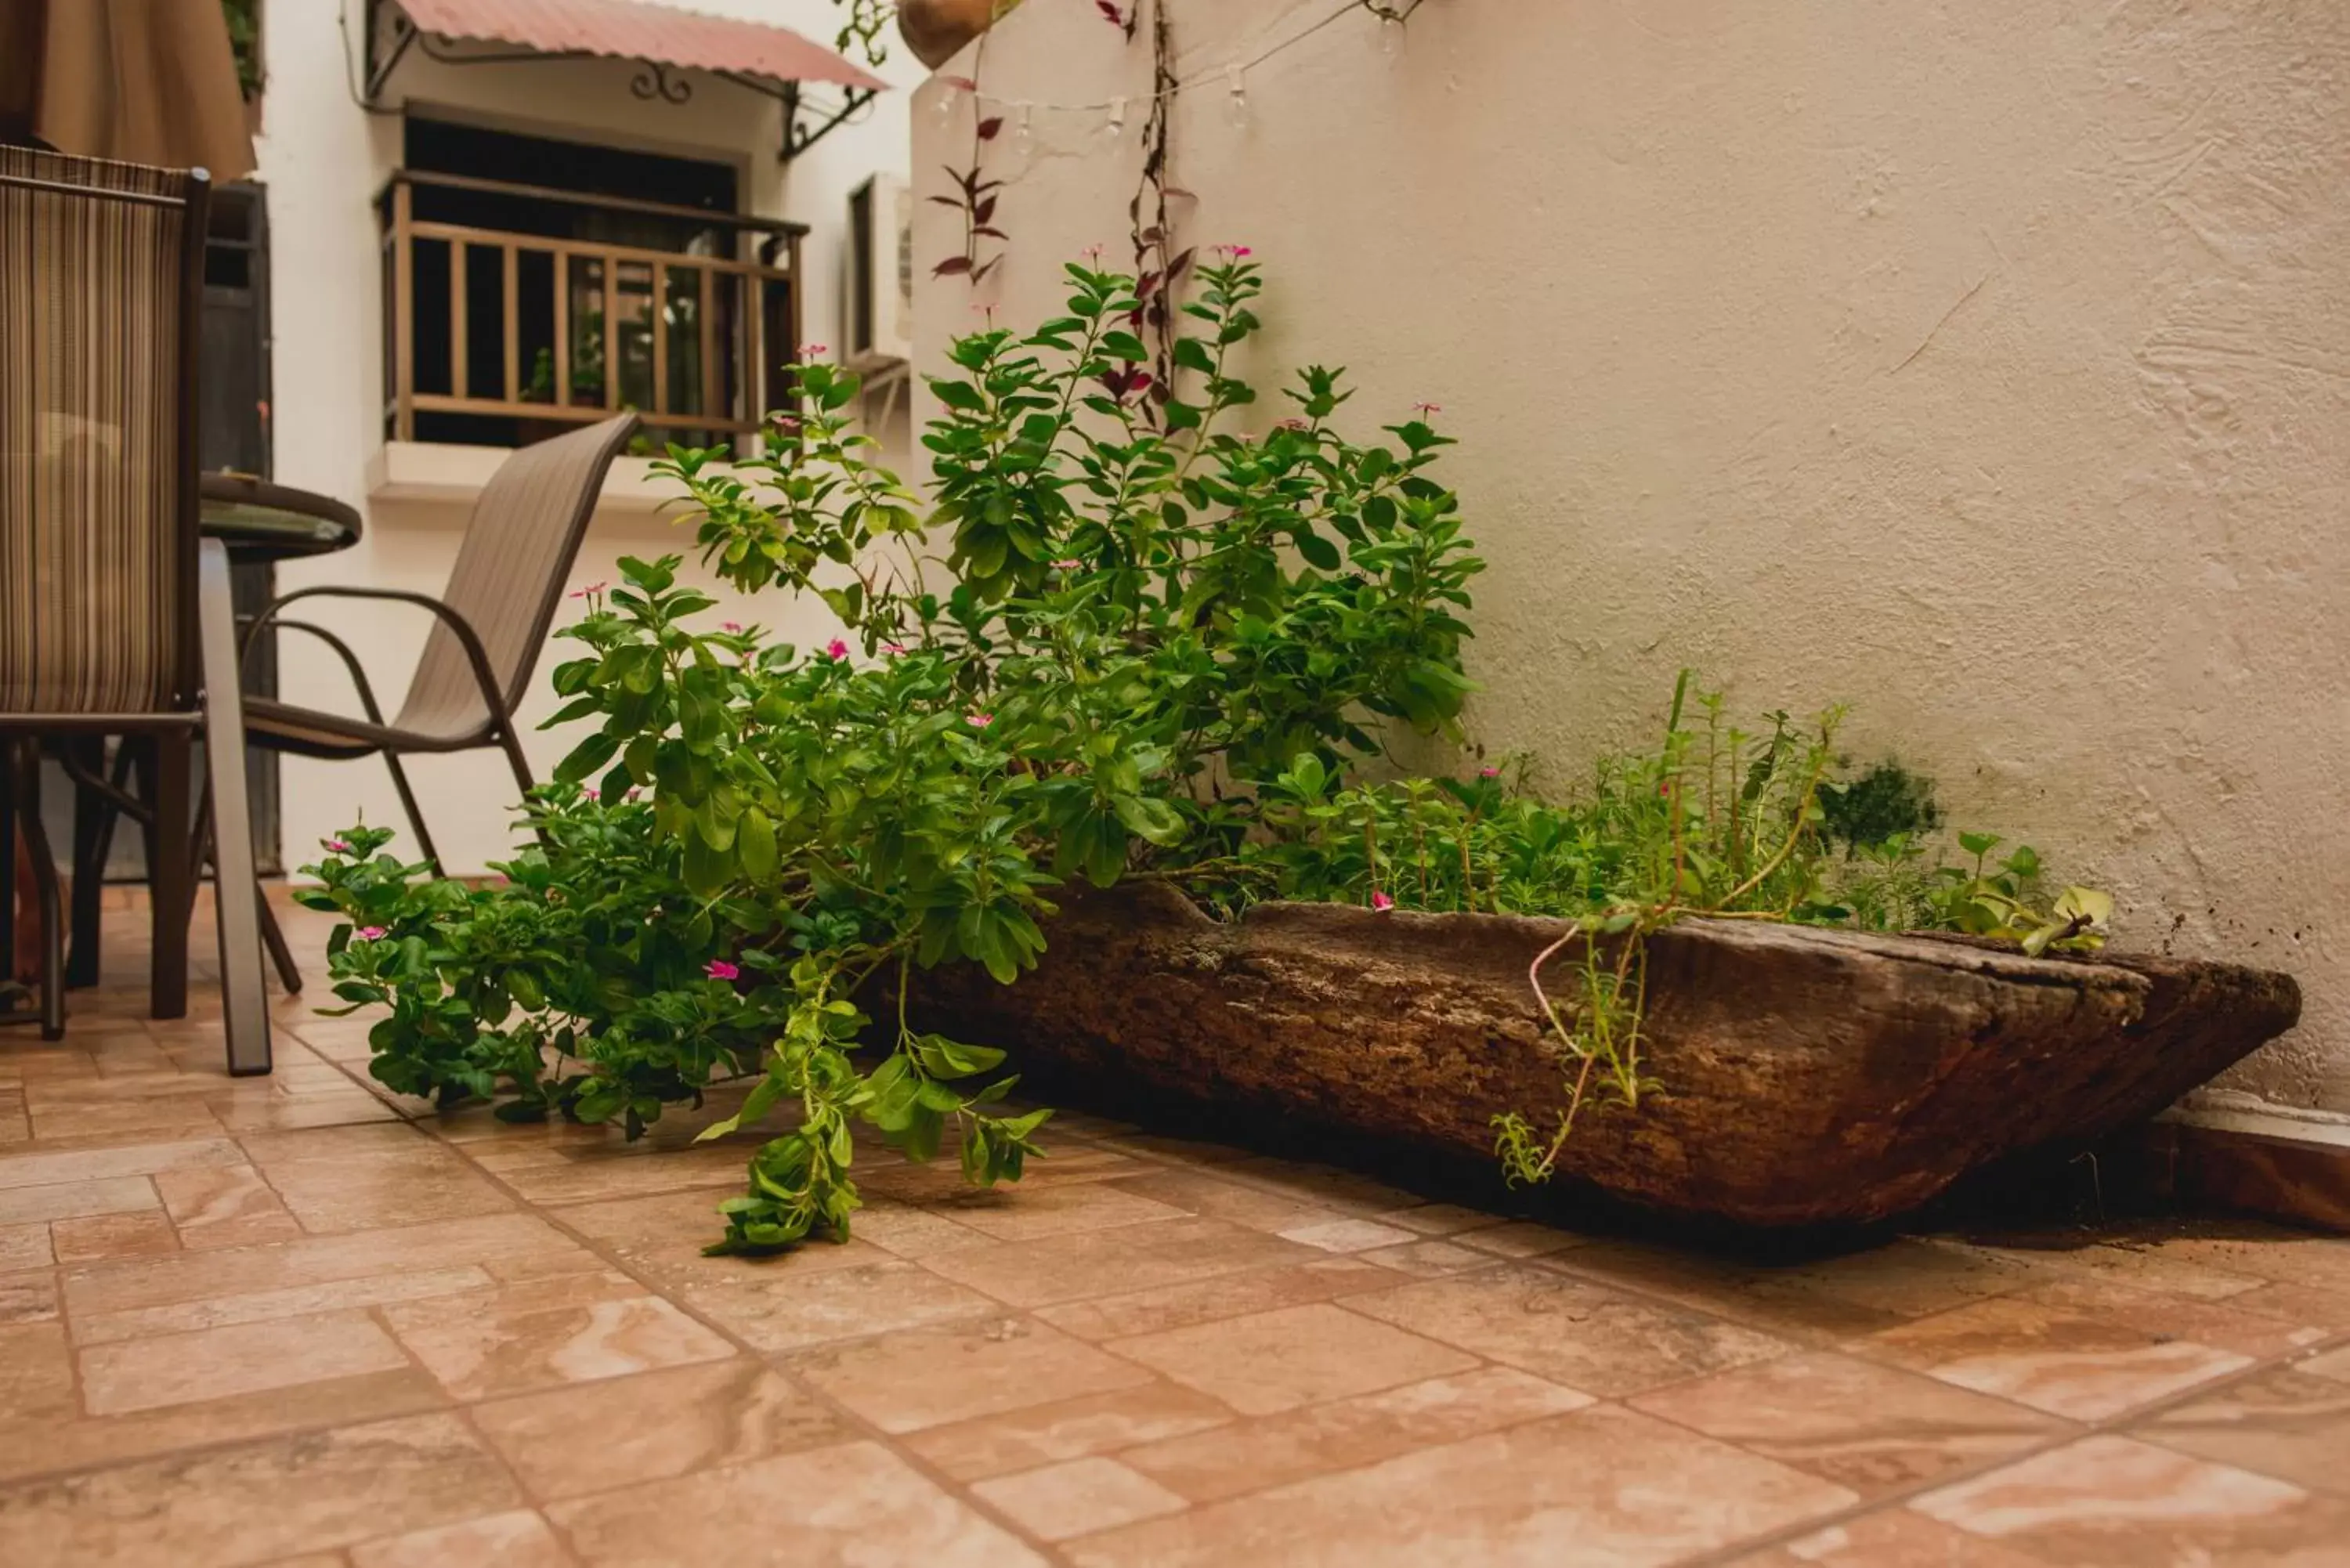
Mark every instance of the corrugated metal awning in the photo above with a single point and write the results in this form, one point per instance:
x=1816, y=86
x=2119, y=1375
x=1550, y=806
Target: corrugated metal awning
x=637, y=30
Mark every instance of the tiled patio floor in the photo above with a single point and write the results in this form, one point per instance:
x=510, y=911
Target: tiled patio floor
x=282, y=1321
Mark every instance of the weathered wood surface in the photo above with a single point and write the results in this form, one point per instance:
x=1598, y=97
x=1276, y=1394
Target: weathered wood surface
x=1805, y=1076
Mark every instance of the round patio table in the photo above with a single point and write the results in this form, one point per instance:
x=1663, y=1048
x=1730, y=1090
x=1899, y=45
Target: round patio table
x=261, y=522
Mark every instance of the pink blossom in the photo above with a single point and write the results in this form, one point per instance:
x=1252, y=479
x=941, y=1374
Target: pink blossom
x=721, y=969
x=893, y=647
x=1381, y=903
x=835, y=649
x=589, y=591
x=811, y=351
x=1488, y=773
x=371, y=933
x=1234, y=253
x=979, y=721
x=1092, y=253
x=729, y=625
x=1294, y=424
x=634, y=792
x=340, y=846
x=1069, y=563
x=1428, y=408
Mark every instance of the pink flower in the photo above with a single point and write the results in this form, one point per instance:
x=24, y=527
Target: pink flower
x=590, y=590
x=1234, y=253
x=1294, y=424
x=835, y=649
x=340, y=846
x=1428, y=408
x=634, y=792
x=721, y=969
x=893, y=647
x=1069, y=563
x=1092, y=253
x=1488, y=773
x=371, y=933
x=810, y=350
x=729, y=625
x=1381, y=903
x=979, y=721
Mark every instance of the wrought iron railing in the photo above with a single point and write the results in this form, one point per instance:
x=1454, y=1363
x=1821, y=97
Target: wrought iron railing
x=493, y=332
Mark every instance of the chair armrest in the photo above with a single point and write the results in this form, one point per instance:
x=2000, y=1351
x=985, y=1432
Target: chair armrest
x=467, y=638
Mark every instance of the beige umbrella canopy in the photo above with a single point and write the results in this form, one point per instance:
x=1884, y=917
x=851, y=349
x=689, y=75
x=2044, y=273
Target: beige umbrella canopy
x=145, y=81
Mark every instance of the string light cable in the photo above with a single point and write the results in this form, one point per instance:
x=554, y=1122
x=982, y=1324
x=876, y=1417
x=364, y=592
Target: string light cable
x=1392, y=15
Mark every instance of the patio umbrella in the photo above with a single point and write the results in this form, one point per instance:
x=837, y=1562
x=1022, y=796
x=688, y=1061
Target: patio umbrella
x=145, y=81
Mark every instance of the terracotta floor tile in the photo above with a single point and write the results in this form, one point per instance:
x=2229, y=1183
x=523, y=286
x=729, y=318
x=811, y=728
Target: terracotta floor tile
x=778, y=1304
x=599, y=1437
x=1108, y=1262
x=1432, y=1258
x=307, y=1110
x=25, y=1246
x=662, y=1237
x=140, y=1234
x=1018, y=1213
x=1348, y=1192
x=37, y=1169
x=1749, y=1293
x=517, y=1538
x=923, y=1378
x=1039, y=1435
x=1344, y=1434
x=908, y=1231
x=943, y=1178
x=1570, y=1331
x=260, y=1501
x=37, y=1374
x=1077, y=1497
x=1345, y=1235
x=511, y=1239
x=2285, y=1423
x=28, y=1296
x=1440, y=1218
x=74, y=1200
x=2111, y=1501
x=2081, y=1367
x=1894, y=1538
x=615, y=1169
x=59, y=1445
x=131, y=1121
x=262, y=1306
x=225, y=1206
x=1602, y=1488
x=1296, y=1356
x=571, y=1329
x=1224, y=1296
x=828, y=1508
x=1865, y=1426
x=218, y=1363
x=2154, y=1261
x=2235, y=1323
x=383, y=1191
x=1215, y=1196
x=2335, y=1364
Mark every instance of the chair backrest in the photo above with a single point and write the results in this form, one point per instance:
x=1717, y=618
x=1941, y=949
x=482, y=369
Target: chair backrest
x=508, y=581
x=101, y=281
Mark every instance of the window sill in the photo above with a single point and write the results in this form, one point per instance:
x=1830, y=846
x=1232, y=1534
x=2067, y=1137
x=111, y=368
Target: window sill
x=433, y=472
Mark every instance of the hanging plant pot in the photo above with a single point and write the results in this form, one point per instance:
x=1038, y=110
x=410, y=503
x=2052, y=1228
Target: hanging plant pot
x=935, y=29
x=1804, y=1077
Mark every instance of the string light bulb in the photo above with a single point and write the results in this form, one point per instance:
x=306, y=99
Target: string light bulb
x=943, y=108
x=1236, y=103
x=1024, y=136
x=1390, y=33
x=1113, y=128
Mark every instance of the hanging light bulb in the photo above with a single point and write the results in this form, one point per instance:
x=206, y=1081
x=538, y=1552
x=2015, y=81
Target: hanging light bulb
x=1113, y=128
x=1236, y=103
x=1390, y=33
x=943, y=109
x=1023, y=137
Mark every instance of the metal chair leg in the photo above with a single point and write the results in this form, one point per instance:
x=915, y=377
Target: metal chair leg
x=202, y=852
x=272, y=937
x=170, y=879
x=245, y=1002
x=415, y=813
x=45, y=878
x=93, y=839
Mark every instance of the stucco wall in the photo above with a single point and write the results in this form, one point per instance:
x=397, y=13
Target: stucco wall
x=323, y=160
x=1986, y=366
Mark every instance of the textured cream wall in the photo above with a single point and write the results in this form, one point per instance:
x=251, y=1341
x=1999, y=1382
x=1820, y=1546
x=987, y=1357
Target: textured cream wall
x=1986, y=366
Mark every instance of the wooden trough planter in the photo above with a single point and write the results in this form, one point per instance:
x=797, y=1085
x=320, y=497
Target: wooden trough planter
x=1807, y=1077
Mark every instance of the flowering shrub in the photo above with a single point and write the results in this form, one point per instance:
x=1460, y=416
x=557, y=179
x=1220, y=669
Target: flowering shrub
x=1131, y=614
x=1151, y=646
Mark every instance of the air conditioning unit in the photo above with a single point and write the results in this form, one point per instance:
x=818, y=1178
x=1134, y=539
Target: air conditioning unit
x=878, y=295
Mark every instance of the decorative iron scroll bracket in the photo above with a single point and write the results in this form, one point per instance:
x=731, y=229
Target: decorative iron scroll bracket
x=803, y=130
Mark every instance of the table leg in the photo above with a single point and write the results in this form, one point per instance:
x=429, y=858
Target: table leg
x=244, y=1004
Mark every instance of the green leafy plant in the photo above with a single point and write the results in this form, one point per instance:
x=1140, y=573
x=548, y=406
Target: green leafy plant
x=1117, y=638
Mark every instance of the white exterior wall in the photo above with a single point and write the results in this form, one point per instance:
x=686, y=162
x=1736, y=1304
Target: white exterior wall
x=323, y=160
x=1985, y=365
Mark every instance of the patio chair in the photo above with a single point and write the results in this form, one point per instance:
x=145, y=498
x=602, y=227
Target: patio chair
x=490, y=624
x=114, y=617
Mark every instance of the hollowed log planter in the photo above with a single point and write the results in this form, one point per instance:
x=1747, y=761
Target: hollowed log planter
x=1805, y=1077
